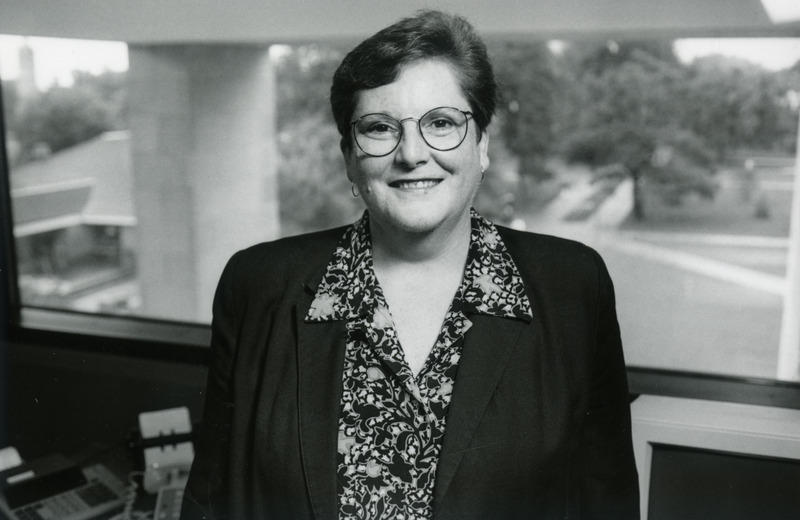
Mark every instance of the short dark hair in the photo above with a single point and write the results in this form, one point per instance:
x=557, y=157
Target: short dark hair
x=428, y=34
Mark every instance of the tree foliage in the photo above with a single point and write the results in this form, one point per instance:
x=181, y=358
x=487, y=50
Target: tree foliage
x=598, y=58
x=736, y=104
x=628, y=107
x=314, y=190
x=304, y=75
x=61, y=117
x=632, y=119
x=526, y=114
x=313, y=187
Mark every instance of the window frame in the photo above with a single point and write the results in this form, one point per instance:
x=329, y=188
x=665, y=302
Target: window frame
x=140, y=337
x=188, y=342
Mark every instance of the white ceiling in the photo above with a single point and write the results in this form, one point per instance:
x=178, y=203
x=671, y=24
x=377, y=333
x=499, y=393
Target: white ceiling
x=146, y=21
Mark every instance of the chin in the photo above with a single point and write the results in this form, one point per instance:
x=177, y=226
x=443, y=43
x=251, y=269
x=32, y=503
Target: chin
x=422, y=221
x=417, y=225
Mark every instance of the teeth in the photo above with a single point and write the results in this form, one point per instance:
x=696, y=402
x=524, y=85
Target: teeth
x=417, y=184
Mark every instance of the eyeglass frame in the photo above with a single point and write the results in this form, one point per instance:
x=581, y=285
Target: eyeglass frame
x=468, y=114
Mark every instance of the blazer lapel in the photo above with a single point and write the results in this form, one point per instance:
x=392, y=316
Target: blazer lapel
x=320, y=348
x=487, y=349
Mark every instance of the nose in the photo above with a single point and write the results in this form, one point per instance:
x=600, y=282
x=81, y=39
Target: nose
x=412, y=151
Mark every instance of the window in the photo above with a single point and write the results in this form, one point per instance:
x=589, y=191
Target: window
x=131, y=184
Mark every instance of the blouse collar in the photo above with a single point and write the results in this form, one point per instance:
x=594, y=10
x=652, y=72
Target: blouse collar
x=492, y=284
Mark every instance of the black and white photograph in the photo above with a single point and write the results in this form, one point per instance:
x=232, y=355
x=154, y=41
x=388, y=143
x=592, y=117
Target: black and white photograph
x=420, y=260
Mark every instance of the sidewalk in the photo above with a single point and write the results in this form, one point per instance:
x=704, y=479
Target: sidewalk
x=575, y=213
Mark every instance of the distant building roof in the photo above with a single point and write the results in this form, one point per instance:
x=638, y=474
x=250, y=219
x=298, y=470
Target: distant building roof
x=38, y=209
x=90, y=183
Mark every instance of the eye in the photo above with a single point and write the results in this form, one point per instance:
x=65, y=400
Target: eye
x=378, y=126
x=442, y=123
x=439, y=125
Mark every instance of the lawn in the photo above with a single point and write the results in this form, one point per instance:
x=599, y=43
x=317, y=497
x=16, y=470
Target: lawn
x=678, y=319
x=675, y=319
x=764, y=211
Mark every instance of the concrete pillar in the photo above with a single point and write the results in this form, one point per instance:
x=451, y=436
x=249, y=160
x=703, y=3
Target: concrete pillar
x=205, y=167
x=789, y=351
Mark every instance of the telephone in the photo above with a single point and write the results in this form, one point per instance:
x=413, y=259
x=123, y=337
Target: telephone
x=54, y=487
x=168, y=455
x=168, y=449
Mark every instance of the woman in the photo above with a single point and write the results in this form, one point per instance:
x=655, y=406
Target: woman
x=421, y=363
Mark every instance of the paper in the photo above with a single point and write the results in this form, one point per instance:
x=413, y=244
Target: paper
x=9, y=458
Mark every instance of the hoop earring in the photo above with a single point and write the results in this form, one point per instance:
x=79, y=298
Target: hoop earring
x=354, y=190
x=483, y=173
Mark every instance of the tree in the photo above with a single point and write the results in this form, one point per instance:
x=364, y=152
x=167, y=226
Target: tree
x=736, y=104
x=314, y=190
x=304, y=75
x=630, y=122
x=528, y=87
x=597, y=58
x=10, y=98
x=61, y=117
x=313, y=187
x=111, y=89
x=789, y=81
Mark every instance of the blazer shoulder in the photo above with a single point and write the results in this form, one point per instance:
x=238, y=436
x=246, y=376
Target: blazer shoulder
x=540, y=246
x=539, y=256
x=279, y=264
x=286, y=252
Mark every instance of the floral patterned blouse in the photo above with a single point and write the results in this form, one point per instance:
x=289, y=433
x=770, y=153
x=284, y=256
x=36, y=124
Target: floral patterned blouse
x=391, y=423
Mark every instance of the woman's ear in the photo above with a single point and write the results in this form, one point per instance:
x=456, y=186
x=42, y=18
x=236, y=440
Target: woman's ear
x=483, y=150
x=344, y=146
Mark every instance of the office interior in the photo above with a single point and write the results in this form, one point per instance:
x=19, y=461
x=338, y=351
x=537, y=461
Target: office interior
x=72, y=381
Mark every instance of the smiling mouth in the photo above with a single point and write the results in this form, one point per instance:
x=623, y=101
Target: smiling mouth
x=415, y=185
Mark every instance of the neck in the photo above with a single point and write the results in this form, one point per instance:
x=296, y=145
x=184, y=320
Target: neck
x=445, y=245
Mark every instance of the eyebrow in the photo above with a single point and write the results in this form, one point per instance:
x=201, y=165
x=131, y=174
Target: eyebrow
x=385, y=113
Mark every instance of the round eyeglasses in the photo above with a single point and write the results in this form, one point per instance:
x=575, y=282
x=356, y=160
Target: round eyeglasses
x=442, y=129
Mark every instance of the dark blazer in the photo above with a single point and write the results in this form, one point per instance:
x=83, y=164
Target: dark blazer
x=538, y=425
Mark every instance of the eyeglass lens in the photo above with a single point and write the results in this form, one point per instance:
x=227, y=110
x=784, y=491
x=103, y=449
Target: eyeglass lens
x=442, y=129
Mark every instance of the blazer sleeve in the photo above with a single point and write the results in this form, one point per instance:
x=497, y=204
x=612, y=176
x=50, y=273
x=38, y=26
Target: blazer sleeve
x=610, y=486
x=206, y=495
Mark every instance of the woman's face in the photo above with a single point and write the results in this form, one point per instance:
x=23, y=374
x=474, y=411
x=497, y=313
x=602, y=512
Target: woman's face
x=416, y=188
